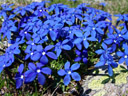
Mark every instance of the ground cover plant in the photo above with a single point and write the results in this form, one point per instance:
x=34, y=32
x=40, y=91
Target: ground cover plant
x=54, y=45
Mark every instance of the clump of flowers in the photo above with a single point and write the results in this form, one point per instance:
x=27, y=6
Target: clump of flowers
x=39, y=35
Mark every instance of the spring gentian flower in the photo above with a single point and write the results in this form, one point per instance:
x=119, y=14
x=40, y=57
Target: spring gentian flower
x=62, y=46
x=81, y=56
x=69, y=71
x=19, y=76
x=34, y=71
x=108, y=60
x=123, y=55
x=43, y=53
x=85, y=38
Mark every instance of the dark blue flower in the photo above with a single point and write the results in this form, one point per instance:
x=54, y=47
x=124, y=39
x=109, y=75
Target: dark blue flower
x=34, y=71
x=81, y=56
x=19, y=76
x=69, y=71
x=62, y=46
x=123, y=55
x=43, y=53
x=108, y=60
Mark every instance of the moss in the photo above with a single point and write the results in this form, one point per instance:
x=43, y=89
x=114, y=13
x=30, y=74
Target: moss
x=122, y=77
x=96, y=83
x=100, y=93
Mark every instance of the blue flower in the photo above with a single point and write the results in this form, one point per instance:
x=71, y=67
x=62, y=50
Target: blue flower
x=19, y=76
x=108, y=60
x=69, y=71
x=62, y=46
x=81, y=56
x=85, y=38
x=34, y=71
x=123, y=55
x=43, y=53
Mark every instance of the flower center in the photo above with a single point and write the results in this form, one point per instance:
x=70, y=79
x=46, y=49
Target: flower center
x=4, y=65
x=32, y=43
x=50, y=29
x=69, y=72
x=84, y=39
x=3, y=20
x=115, y=41
x=119, y=35
x=32, y=53
x=93, y=28
x=38, y=70
x=125, y=56
x=43, y=53
x=69, y=31
x=25, y=32
x=21, y=76
x=40, y=10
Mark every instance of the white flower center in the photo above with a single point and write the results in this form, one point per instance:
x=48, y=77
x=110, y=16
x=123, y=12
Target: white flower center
x=69, y=31
x=69, y=72
x=125, y=56
x=25, y=32
x=119, y=35
x=93, y=28
x=43, y=53
x=84, y=39
x=32, y=43
x=38, y=71
x=3, y=20
x=50, y=29
x=115, y=41
x=21, y=76
x=4, y=65
x=32, y=53
x=40, y=10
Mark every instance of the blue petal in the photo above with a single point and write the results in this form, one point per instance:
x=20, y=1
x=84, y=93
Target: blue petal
x=61, y=72
x=86, y=44
x=49, y=47
x=58, y=52
x=77, y=59
x=100, y=63
x=39, y=65
x=44, y=59
x=53, y=35
x=100, y=30
x=75, y=66
x=67, y=65
x=41, y=79
x=100, y=51
x=126, y=61
x=85, y=60
x=77, y=41
x=51, y=55
x=79, y=46
x=19, y=83
x=91, y=39
x=29, y=76
x=67, y=80
x=21, y=67
x=39, y=48
x=46, y=70
x=121, y=60
x=119, y=53
x=31, y=66
x=108, y=41
x=76, y=76
x=110, y=71
x=66, y=47
x=104, y=46
x=35, y=56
